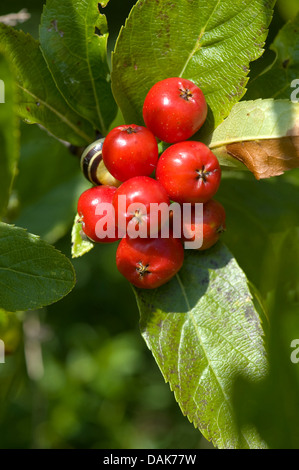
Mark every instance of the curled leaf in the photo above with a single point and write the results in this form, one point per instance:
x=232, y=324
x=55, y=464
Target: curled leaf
x=261, y=134
x=266, y=158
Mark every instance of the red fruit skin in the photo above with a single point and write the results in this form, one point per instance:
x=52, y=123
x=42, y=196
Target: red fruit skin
x=189, y=172
x=86, y=208
x=213, y=224
x=161, y=258
x=174, y=109
x=141, y=190
x=129, y=151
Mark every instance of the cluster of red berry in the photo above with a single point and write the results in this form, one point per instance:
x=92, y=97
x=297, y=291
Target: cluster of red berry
x=121, y=167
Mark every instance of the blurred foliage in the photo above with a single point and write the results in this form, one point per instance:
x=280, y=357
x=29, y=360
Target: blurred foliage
x=273, y=404
x=90, y=381
x=77, y=373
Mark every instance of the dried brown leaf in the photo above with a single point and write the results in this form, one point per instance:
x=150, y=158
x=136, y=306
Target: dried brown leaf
x=266, y=158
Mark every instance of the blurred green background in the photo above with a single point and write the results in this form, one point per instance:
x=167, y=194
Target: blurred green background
x=79, y=374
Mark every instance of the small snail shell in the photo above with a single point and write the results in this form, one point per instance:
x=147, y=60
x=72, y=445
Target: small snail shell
x=93, y=167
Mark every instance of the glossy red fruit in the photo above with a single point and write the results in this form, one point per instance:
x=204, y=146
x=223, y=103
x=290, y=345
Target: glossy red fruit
x=133, y=205
x=129, y=151
x=189, y=172
x=213, y=224
x=174, y=109
x=91, y=210
x=149, y=262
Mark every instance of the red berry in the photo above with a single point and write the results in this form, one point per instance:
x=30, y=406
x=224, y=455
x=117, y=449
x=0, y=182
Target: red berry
x=149, y=262
x=189, y=172
x=129, y=151
x=91, y=212
x=213, y=224
x=174, y=109
x=132, y=202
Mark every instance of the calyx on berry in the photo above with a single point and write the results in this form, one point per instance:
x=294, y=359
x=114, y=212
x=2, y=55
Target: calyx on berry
x=174, y=109
x=189, y=171
x=149, y=262
x=132, y=203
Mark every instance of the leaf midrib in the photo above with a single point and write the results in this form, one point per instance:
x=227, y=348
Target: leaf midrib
x=202, y=31
x=101, y=119
x=37, y=276
x=197, y=44
x=57, y=113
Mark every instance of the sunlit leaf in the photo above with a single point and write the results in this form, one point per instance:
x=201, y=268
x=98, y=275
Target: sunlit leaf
x=39, y=100
x=73, y=36
x=203, y=330
x=9, y=132
x=280, y=80
x=80, y=243
x=209, y=42
x=262, y=134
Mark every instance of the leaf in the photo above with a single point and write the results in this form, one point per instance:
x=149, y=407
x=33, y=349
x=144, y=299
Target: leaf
x=255, y=210
x=9, y=132
x=203, y=331
x=209, y=42
x=104, y=3
x=74, y=45
x=273, y=404
x=276, y=81
x=32, y=272
x=80, y=245
x=39, y=100
x=262, y=134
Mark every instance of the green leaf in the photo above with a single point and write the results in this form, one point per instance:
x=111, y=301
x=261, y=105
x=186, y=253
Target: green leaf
x=203, y=331
x=32, y=272
x=273, y=404
x=104, y=3
x=209, y=42
x=73, y=37
x=254, y=211
x=281, y=78
x=9, y=132
x=39, y=100
x=262, y=134
x=80, y=245
x=275, y=118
